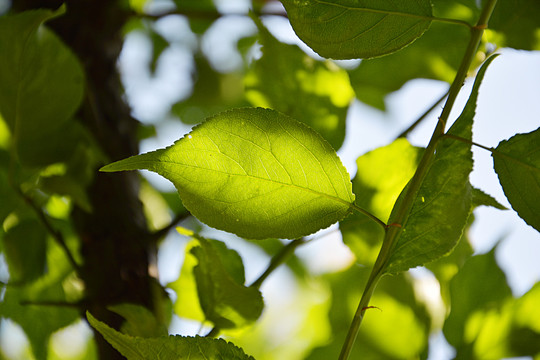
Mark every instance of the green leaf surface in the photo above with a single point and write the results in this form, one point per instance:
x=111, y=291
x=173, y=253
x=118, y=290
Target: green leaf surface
x=41, y=88
x=314, y=92
x=168, y=348
x=348, y=29
x=486, y=288
x=480, y=198
x=517, y=163
x=443, y=202
x=256, y=173
x=516, y=24
x=436, y=55
x=22, y=303
x=25, y=246
x=225, y=300
x=382, y=174
x=140, y=321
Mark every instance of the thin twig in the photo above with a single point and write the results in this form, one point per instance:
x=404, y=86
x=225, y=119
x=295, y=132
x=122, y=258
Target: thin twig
x=422, y=117
x=155, y=236
x=57, y=235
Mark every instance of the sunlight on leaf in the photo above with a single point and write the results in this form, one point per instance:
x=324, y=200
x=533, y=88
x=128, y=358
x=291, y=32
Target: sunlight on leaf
x=517, y=163
x=256, y=173
x=344, y=29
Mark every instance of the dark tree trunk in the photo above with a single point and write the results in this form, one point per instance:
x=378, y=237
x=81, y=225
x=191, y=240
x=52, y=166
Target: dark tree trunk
x=115, y=240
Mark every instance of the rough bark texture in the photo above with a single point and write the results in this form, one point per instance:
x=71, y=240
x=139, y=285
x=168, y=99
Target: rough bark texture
x=115, y=240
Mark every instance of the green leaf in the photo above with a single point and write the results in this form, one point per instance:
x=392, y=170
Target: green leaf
x=480, y=285
x=168, y=348
x=314, y=92
x=480, y=198
x=516, y=24
x=517, y=163
x=49, y=87
x=256, y=173
x=225, y=301
x=382, y=174
x=436, y=55
x=139, y=321
x=21, y=303
x=443, y=202
x=25, y=246
x=347, y=29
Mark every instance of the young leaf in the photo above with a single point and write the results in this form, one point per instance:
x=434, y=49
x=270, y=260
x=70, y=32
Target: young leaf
x=443, y=203
x=49, y=82
x=224, y=299
x=517, y=163
x=168, y=348
x=345, y=29
x=139, y=321
x=256, y=173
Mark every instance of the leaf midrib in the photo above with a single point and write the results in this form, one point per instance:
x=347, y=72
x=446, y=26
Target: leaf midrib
x=328, y=196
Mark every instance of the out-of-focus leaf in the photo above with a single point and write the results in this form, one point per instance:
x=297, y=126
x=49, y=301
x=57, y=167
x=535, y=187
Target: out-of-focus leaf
x=225, y=301
x=398, y=329
x=286, y=79
x=517, y=163
x=140, y=321
x=382, y=174
x=213, y=92
x=256, y=173
x=203, y=13
x=479, y=285
x=168, y=347
x=443, y=203
x=345, y=29
x=516, y=24
x=38, y=321
x=49, y=83
x=436, y=55
x=25, y=246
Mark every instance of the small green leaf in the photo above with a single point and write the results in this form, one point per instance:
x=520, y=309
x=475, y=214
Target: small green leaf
x=139, y=321
x=314, y=92
x=256, y=173
x=517, y=163
x=443, y=202
x=25, y=249
x=480, y=198
x=49, y=82
x=346, y=29
x=168, y=348
x=486, y=288
x=225, y=301
x=382, y=174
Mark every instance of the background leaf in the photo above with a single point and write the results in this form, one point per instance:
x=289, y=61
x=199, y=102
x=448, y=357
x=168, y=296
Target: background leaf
x=517, y=163
x=382, y=174
x=168, y=348
x=256, y=173
x=49, y=87
x=345, y=29
x=313, y=92
x=516, y=24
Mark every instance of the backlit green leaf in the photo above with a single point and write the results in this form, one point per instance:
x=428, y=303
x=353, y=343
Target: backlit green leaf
x=168, y=348
x=41, y=88
x=516, y=24
x=382, y=174
x=517, y=163
x=219, y=275
x=347, y=29
x=139, y=321
x=443, y=202
x=314, y=92
x=256, y=173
